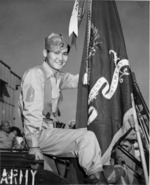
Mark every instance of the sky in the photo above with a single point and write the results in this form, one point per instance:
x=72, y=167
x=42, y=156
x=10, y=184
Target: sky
x=25, y=23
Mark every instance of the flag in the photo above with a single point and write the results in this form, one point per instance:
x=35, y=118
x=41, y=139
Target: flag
x=104, y=103
x=104, y=99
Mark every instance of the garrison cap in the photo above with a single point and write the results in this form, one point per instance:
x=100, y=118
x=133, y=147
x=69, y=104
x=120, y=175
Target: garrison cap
x=55, y=42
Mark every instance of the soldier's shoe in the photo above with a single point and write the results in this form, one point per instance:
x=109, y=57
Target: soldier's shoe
x=114, y=173
x=98, y=178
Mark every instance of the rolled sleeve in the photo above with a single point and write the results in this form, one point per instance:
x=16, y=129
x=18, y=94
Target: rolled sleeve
x=32, y=98
x=69, y=81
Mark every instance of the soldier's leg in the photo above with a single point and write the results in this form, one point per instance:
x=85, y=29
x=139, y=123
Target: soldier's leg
x=78, y=143
x=73, y=143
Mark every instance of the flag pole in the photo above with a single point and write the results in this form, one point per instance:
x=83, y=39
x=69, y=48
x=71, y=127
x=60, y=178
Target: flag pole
x=137, y=130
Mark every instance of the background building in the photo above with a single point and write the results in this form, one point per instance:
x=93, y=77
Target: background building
x=9, y=94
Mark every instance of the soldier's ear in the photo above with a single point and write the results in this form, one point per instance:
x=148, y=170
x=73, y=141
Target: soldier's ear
x=45, y=53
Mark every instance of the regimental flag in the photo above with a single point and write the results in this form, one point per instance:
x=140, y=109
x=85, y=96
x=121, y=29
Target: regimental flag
x=104, y=98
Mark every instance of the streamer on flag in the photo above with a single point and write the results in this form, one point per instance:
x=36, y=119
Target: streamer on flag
x=76, y=19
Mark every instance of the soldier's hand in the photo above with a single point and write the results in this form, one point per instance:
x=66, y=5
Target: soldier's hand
x=38, y=156
x=37, y=152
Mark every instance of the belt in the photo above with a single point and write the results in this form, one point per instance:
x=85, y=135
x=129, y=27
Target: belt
x=48, y=123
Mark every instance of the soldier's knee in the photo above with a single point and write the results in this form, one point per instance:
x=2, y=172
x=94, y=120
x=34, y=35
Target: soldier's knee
x=91, y=135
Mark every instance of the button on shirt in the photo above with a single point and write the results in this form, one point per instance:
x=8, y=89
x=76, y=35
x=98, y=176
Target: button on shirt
x=32, y=97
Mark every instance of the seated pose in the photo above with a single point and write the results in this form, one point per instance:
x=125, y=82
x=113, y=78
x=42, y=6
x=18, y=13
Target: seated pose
x=39, y=99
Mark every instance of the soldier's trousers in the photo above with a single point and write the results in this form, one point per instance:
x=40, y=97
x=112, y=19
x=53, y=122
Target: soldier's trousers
x=72, y=143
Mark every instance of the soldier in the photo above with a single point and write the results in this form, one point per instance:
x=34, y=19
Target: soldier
x=6, y=139
x=39, y=99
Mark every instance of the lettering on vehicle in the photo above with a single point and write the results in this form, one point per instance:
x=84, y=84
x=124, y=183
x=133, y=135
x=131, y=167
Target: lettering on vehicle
x=18, y=176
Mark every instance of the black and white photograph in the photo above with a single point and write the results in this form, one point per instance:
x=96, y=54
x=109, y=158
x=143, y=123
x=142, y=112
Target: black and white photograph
x=74, y=92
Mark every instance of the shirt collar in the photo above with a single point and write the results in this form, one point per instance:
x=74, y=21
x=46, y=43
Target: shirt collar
x=48, y=70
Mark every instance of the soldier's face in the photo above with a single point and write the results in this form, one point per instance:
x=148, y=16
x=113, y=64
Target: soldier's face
x=57, y=59
x=6, y=127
